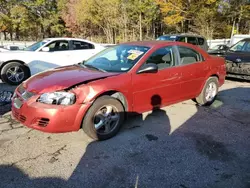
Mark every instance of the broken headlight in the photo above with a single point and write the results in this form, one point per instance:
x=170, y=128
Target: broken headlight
x=58, y=98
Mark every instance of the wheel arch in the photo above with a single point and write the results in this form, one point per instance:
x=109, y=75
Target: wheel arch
x=117, y=95
x=209, y=76
x=214, y=75
x=18, y=61
x=113, y=93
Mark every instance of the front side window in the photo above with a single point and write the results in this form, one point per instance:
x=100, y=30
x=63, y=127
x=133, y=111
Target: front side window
x=163, y=58
x=192, y=40
x=58, y=46
x=188, y=55
x=80, y=45
x=120, y=58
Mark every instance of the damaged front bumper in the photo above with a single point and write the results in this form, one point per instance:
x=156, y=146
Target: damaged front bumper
x=238, y=70
x=46, y=117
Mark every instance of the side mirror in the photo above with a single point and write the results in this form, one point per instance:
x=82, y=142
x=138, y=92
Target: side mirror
x=148, y=68
x=45, y=49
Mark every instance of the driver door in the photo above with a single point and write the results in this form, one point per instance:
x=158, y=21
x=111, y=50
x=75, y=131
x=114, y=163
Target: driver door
x=165, y=84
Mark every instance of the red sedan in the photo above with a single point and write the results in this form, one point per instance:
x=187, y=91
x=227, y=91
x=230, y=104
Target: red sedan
x=132, y=77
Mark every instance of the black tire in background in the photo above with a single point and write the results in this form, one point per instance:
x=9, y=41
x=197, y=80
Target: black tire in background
x=201, y=99
x=11, y=66
x=88, y=121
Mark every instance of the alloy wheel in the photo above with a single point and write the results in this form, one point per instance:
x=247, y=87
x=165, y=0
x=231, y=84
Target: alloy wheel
x=106, y=119
x=15, y=74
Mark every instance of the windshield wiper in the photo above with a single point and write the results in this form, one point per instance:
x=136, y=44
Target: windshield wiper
x=92, y=67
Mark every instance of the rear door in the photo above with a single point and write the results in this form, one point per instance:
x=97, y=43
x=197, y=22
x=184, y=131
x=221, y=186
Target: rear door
x=194, y=71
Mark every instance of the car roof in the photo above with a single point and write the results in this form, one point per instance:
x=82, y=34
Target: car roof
x=158, y=43
x=163, y=43
x=148, y=43
x=184, y=34
x=66, y=38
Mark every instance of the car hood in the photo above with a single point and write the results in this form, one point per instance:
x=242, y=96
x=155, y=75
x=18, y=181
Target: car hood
x=15, y=54
x=63, y=78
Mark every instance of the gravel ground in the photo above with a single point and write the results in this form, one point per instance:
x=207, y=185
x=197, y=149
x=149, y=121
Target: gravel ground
x=182, y=146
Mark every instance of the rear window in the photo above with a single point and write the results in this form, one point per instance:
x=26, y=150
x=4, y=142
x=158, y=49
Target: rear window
x=201, y=41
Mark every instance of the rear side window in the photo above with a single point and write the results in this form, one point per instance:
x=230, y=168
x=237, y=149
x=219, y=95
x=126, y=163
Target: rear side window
x=188, y=55
x=80, y=45
x=201, y=41
x=192, y=40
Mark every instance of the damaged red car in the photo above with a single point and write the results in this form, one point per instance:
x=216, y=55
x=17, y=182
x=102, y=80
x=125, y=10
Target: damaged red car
x=95, y=95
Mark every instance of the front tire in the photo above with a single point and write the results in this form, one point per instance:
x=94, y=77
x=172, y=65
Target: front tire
x=14, y=73
x=104, y=118
x=209, y=92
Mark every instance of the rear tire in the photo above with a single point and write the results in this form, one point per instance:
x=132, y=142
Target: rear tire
x=89, y=121
x=14, y=73
x=209, y=92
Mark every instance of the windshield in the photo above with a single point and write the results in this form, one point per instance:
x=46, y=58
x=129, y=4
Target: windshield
x=35, y=46
x=241, y=46
x=119, y=58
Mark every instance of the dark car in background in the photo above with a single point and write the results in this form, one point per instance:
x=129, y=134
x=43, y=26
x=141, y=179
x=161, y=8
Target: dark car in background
x=188, y=38
x=238, y=60
x=218, y=50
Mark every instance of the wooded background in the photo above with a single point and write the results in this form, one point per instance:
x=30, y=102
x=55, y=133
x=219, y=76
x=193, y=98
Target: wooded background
x=115, y=21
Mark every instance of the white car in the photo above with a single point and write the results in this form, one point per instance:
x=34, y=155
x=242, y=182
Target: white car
x=17, y=66
x=3, y=50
